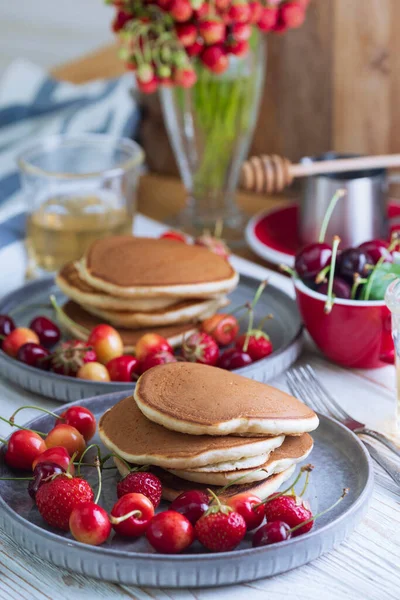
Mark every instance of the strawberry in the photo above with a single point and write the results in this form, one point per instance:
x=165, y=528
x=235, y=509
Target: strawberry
x=70, y=356
x=200, y=348
x=141, y=482
x=258, y=345
x=57, y=499
x=292, y=510
x=220, y=529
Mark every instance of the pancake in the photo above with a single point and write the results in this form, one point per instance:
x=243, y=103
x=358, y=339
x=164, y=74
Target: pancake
x=74, y=287
x=127, y=266
x=125, y=430
x=202, y=400
x=173, y=333
x=186, y=311
x=292, y=451
x=173, y=486
x=249, y=462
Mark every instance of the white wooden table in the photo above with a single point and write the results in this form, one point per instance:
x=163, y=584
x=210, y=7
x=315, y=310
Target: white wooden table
x=365, y=567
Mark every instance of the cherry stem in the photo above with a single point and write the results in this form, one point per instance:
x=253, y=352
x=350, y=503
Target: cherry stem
x=214, y=497
x=249, y=329
x=21, y=427
x=17, y=478
x=48, y=412
x=70, y=465
x=305, y=486
x=329, y=302
x=111, y=455
x=306, y=468
x=23, y=307
x=339, y=194
x=62, y=316
x=117, y=520
x=3, y=441
x=288, y=270
x=358, y=280
x=85, y=452
x=394, y=242
x=235, y=481
x=264, y=320
x=98, y=467
x=314, y=517
x=320, y=278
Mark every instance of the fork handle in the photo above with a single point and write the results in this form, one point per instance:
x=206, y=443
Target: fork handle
x=388, y=465
x=380, y=437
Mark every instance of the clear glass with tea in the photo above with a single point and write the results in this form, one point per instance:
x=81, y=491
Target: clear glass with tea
x=77, y=189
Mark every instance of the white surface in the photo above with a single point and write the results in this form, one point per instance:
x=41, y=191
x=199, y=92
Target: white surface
x=262, y=250
x=366, y=567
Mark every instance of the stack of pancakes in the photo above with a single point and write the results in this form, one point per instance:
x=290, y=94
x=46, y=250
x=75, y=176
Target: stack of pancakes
x=203, y=427
x=144, y=284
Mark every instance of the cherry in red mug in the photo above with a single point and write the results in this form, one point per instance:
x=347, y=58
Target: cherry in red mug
x=356, y=334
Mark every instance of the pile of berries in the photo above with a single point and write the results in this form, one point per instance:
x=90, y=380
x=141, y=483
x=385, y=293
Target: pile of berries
x=361, y=273
x=66, y=501
x=161, y=39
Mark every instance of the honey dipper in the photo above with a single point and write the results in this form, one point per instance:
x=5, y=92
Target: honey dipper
x=272, y=173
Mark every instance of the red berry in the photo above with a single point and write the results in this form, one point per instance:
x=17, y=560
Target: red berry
x=191, y=504
x=212, y=31
x=68, y=437
x=57, y=455
x=215, y=58
x=241, y=31
x=200, y=348
x=268, y=18
x=244, y=504
x=22, y=449
x=89, y=524
x=271, y=533
x=239, y=48
x=171, y=234
x=234, y=359
x=34, y=355
x=222, y=5
x=7, y=325
x=195, y=48
x=136, y=524
x=68, y=358
x=122, y=368
x=17, y=338
x=106, y=342
x=311, y=259
x=185, y=78
x=141, y=482
x=256, y=9
x=42, y=473
x=151, y=343
x=239, y=13
x=180, y=10
x=170, y=532
x=258, y=345
x=222, y=327
x=291, y=510
x=377, y=249
x=202, y=12
x=154, y=360
x=292, y=14
x=221, y=531
x=57, y=499
x=82, y=419
x=120, y=20
x=187, y=35
x=47, y=331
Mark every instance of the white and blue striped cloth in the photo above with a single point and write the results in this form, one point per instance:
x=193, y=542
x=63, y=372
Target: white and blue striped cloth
x=34, y=106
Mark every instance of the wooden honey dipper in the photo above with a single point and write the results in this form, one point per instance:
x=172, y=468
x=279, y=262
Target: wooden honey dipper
x=272, y=173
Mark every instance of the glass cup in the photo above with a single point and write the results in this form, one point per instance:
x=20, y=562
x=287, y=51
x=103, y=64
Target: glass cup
x=392, y=299
x=77, y=189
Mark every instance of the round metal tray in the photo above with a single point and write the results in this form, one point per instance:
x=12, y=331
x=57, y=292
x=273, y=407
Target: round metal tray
x=285, y=330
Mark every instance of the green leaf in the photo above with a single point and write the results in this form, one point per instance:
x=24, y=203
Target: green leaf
x=380, y=279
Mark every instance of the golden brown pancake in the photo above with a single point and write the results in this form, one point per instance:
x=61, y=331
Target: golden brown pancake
x=173, y=333
x=202, y=400
x=127, y=432
x=173, y=486
x=132, y=266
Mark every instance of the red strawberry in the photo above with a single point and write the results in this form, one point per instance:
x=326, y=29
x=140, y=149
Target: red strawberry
x=200, y=348
x=141, y=482
x=220, y=529
x=259, y=345
x=68, y=358
x=57, y=499
x=292, y=14
x=292, y=510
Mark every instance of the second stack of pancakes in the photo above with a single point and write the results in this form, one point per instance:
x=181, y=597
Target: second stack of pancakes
x=202, y=427
x=145, y=284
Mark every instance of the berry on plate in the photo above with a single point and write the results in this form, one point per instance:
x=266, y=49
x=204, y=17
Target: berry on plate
x=89, y=523
x=141, y=482
x=151, y=343
x=221, y=528
x=250, y=507
x=93, y=371
x=154, y=360
x=170, y=532
x=82, y=419
x=47, y=331
x=57, y=499
x=57, y=455
x=234, y=359
x=106, y=342
x=68, y=358
x=222, y=327
x=68, y=437
x=22, y=449
x=131, y=515
x=200, y=348
x=42, y=473
x=191, y=504
x=17, y=338
x=122, y=368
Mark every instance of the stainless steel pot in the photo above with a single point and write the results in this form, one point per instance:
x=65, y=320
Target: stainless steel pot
x=359, y=216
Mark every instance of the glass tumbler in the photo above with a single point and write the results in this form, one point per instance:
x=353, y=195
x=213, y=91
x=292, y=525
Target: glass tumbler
x=392, y=298
x=77, y=189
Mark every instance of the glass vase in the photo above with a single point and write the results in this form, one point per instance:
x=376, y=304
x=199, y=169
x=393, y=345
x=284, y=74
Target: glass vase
x=210, y=127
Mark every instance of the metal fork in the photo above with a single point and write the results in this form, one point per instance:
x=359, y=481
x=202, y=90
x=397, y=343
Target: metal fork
x=304, y=384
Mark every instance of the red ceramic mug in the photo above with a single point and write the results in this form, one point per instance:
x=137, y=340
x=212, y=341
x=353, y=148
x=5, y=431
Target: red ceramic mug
x=356, y=334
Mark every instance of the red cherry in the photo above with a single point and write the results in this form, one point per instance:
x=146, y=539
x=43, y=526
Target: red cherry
x=68, y=437
x=17, y=338
x=255, y=11
x=239, y=13
x=222, y=5
x=200, y=348
x=121, y=19
x=170, y=532
x=195, y=48
x=154, y=360
x=271, y=533
x=42, y=473
x=202, y=12
x=22, y=449
x=244, y=504
x=171, y=234
x=82, y=419
x=292, y=14
x=354, y=260
x=185, y=78
x=239, y=48
x=164, y=4
x=377, y=249
x=222, y=327
x=192, y=504
x=187, y=35
x=47, y=331
x=258, y=345
x=135, y=524
x=151, y=343
x=57, y=455
x=268, y=18
x=234, y=359
x=212, y=31
x=241, y=31
x=180, y=10
x=341, y=289
x=89, y=524
x=34, y=355
x=106, y=342
x=7, y=325
x=290, y=509
x=122, y=368
x=311, y=259
x=215, y=58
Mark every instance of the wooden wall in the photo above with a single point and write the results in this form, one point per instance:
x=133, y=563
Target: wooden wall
x=333, y=84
